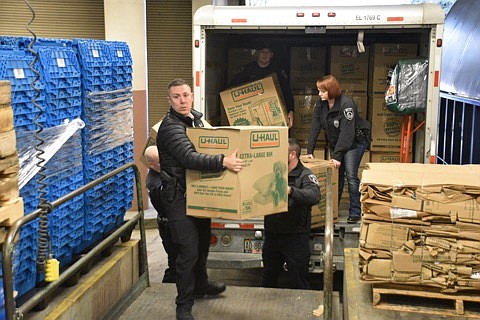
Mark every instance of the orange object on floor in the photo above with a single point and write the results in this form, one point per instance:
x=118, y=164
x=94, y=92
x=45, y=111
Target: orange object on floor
x=407, y=132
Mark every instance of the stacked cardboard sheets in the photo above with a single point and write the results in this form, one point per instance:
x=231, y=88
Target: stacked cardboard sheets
x=11, y=204
x=421, y=225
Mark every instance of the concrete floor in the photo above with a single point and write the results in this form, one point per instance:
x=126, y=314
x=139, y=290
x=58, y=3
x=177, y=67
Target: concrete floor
x=244, y=299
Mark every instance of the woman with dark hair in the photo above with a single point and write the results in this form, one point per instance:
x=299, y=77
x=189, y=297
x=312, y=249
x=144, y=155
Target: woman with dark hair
x=347, y=134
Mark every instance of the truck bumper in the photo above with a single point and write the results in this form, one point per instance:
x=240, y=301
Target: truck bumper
x=231, y=260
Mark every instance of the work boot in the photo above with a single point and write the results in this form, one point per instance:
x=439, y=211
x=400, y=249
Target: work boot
x=214, y=288
x=354, y=219
x=184, y=314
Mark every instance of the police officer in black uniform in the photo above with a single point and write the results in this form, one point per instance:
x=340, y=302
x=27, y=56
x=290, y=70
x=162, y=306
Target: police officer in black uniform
x=348, y=137
x=154, y=187
x=287, y=234
x=190, y=235
x=263, y=68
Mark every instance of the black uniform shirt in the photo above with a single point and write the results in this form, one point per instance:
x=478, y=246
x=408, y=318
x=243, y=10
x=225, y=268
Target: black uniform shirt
x=339, y=124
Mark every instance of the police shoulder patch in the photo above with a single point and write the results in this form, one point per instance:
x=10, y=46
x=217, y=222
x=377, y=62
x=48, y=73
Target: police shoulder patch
x=313, y=178
x=348, y=113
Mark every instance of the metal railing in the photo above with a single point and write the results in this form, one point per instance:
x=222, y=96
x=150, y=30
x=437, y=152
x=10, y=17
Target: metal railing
x=11, y=311
x=458, y=130
x=328, y=254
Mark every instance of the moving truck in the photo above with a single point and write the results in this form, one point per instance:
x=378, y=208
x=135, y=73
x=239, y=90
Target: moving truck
x=359, y=45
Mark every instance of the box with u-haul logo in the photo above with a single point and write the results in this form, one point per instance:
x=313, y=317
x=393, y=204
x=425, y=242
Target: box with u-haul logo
x=258, y=103
x=258, y=190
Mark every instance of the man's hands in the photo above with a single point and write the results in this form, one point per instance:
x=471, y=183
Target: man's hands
x=233, y=163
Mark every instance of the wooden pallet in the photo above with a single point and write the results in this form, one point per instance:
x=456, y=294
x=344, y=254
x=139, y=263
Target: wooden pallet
x=427, y=300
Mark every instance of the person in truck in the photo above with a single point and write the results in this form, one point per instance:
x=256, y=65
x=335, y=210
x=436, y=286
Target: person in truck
x=154, y=187
x=348, y=137
x=262, y=68
x=287, y=234
x=191, y=235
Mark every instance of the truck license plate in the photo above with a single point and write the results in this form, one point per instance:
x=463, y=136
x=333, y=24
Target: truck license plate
x=252, y=246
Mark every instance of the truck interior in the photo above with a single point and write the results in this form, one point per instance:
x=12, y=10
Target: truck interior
x=220, y=65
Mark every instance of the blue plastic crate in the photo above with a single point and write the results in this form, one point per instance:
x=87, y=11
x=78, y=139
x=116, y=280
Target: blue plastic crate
x=59, y=63
x=25, y=282
x=92, y=53
x=51, y=42
x=119, y=53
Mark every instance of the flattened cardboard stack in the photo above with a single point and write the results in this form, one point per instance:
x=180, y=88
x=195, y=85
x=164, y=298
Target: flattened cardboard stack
x=421, y=225
x=11, y=204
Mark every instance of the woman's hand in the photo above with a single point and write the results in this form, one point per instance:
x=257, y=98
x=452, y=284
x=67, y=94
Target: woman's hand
x=336, y=164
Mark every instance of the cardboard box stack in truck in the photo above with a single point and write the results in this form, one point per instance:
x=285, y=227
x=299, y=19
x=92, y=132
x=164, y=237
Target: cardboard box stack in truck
x=420, y=225
x=358, y=45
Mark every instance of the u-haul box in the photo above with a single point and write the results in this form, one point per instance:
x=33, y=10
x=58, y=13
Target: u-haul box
x=258, y=190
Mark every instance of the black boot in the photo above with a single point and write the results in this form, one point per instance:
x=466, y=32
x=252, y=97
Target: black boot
x=213, y=288
x=184, y=314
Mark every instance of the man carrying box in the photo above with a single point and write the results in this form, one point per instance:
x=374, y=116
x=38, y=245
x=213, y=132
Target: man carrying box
x=287, y=234
x=262, y=68
x=190, y=235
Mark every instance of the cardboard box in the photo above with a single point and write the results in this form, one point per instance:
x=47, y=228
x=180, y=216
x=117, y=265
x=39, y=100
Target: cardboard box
x=302, y=122
x=8, y=143
x=386, y=56
x=9, y=162
x=361, y=101
x=154, y=130
x=466, y=211
x=5, y=92
x=319, y=168
x=258, y=190
x=6, y=118
x=11, y=211
x=379, y=268
x=257, y=103
x=384, y=157
x=307, y=65
x=350, y=68
x=386, y=236
x=318, y=153
x=386, y=127
x=9, y=187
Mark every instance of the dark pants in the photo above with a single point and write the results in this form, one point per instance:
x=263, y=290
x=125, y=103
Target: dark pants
x=165, y=234
x=294, y=249
x=349, y=168
x=191, y=237
x=170, y=275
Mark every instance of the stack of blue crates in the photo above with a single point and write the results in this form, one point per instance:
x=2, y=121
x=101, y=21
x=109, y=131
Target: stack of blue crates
x=87, y=78
x=61, y=72
x=15, y=67
x=107, y=136
x=65, y=174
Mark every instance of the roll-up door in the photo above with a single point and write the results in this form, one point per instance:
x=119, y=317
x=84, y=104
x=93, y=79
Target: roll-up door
x=169, y=51
x=54, y=18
